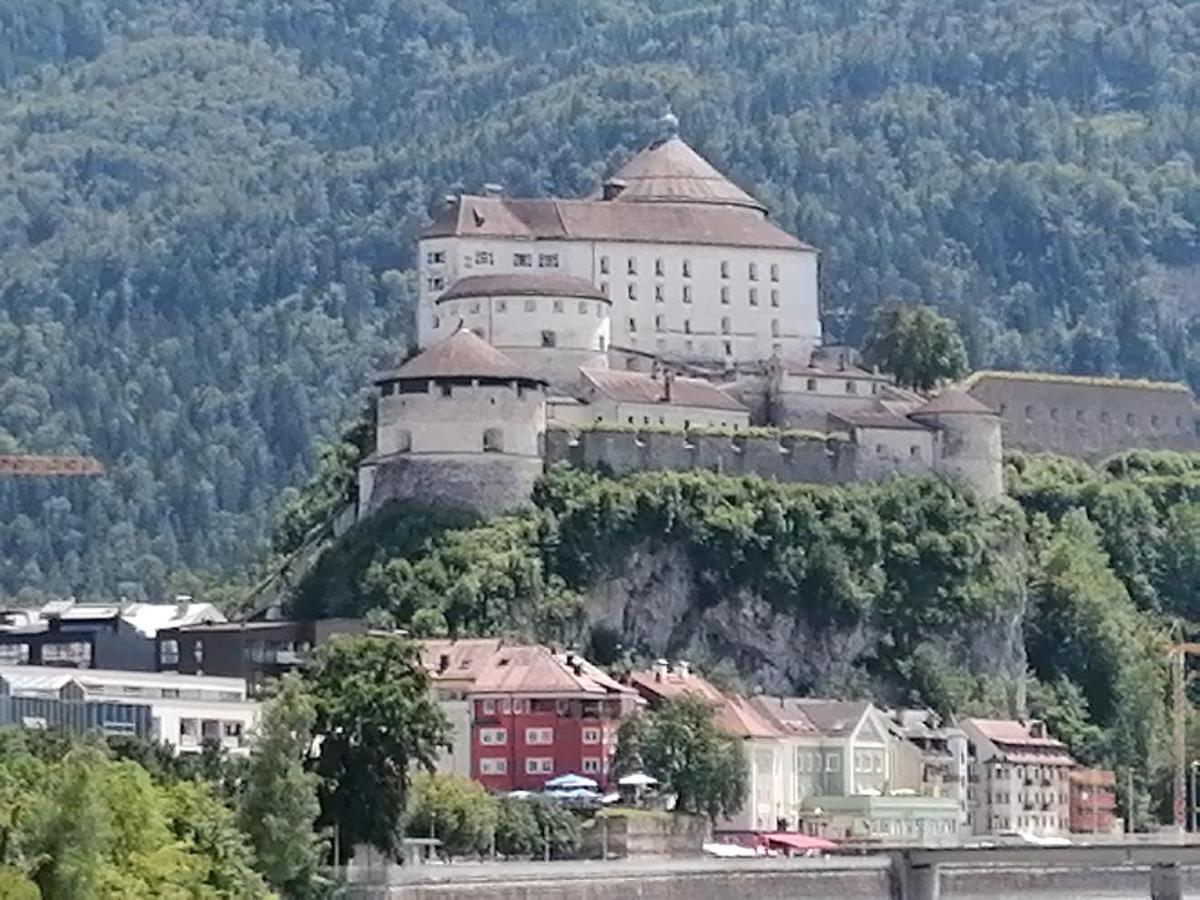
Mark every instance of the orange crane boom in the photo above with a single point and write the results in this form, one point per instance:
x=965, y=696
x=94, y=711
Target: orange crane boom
x=42, y=466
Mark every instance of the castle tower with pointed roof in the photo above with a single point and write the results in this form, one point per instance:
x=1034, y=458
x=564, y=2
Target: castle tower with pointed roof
x=459, y=425
x=695, y=271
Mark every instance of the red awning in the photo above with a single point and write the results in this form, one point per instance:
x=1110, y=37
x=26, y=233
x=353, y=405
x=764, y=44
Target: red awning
x=797, y=841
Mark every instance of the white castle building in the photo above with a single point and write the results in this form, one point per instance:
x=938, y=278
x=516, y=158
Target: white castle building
x=578, y=315
x=692, y=268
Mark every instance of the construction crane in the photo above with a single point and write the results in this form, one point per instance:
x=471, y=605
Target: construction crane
x=49, y=466
x=1178, y=659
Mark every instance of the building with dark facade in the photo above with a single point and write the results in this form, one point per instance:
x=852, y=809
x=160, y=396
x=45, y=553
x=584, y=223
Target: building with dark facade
x=253, y=651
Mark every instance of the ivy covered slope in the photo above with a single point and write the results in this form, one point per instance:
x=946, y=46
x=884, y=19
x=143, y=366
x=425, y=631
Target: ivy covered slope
x=907, y=591
x=207, y=208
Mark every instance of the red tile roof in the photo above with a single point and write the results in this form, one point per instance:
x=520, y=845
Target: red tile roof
x=462, y=355
x=636, y=387
x=539, y=284
x=787, y=713
x=490, y=666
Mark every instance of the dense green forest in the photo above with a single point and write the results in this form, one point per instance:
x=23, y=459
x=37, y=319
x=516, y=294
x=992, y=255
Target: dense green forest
x=207, y=209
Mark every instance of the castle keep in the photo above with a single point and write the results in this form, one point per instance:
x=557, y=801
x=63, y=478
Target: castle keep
x=653, y=326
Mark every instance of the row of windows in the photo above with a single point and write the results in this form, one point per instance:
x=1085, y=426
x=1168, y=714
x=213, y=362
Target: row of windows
x=574, y=708
x=660, y=294
x=660, y=268
x=914, y=451
x=1104, y=417
x=660, y=325
x=534, y=736
x=534, y=765
x=530, y=305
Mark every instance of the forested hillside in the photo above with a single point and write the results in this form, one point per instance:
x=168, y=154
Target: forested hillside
x=207, y=208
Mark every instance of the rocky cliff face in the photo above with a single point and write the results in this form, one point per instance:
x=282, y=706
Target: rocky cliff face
x=658, y=608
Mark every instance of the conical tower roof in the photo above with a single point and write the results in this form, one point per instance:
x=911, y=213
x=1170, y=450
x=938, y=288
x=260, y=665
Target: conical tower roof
x=462, y=355
x=669, y=171
x=951, y=401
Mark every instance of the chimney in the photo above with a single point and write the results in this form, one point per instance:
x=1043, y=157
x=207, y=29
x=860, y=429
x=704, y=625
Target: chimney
x=684, y=668
x=660, y=669
x=492, y=189
x=612, y=189
x=182, y=601
x=668, y=385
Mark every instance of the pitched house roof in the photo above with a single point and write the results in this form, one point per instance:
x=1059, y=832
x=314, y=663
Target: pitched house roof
x=671, y=171
x=877, y=418
x=741, y=718
x=662, y=683
x=534, y=669
x=607, y=220
x=787, y=714
x=462, y=355
x=534, y=284
x=1017, y=742
x=637, y=387
x=457, y=660
x=833, y=718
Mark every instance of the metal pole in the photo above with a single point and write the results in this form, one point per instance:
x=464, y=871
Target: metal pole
x=1129, y=801
x=1192, y=793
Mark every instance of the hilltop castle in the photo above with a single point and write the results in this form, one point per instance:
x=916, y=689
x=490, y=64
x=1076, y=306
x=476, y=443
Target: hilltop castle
x=651, y=325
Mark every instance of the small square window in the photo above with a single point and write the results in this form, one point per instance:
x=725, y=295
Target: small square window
x=530, y=305
x=523, y=260
x=548, y=261
x=583, y=307
x=558, y=306
x=604, y=265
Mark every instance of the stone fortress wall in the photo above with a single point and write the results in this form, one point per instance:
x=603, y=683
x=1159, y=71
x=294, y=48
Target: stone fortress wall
x=1088, y=418
x=788, y=459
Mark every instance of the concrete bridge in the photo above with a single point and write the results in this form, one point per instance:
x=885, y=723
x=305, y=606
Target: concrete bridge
x=1119, y=869
x=918, y=871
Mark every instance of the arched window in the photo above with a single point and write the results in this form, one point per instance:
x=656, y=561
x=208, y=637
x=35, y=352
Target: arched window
x=493, y=441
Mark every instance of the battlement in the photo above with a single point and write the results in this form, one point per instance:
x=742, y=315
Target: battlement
x=780, y=455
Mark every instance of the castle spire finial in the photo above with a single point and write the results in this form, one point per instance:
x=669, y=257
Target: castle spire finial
x=670, y=123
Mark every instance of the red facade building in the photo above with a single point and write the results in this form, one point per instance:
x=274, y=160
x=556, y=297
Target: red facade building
x=1093, y=801
x=531, y=714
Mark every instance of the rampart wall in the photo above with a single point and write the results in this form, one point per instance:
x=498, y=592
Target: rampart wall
x=787, y=459
x=1087, y=418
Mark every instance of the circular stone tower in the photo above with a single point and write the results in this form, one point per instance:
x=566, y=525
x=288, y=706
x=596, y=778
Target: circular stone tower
x=968, y=444
x=549, y=323
x=458, y=425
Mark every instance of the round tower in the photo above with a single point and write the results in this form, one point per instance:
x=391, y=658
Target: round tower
x=548, y=323
x=458, y=425
x=969, y=447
